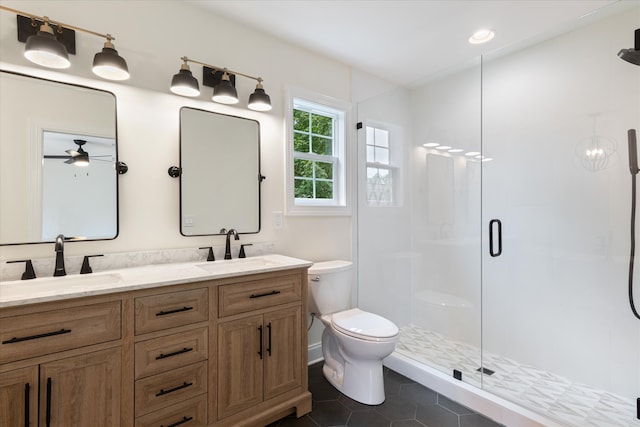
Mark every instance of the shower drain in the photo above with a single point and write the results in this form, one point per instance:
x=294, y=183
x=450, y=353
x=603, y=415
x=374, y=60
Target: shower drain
x=486, y=371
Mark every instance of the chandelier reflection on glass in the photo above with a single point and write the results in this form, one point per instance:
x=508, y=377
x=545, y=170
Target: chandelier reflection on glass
x=595, y=151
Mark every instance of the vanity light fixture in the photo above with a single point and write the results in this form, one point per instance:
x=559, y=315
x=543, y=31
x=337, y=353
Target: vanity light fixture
x=50, y=47
x=223, y=82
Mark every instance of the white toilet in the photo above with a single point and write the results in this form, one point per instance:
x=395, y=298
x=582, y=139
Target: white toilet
x=354, y=342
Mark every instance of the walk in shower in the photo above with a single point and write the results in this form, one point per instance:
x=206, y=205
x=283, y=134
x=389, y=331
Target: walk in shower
x=493, y=222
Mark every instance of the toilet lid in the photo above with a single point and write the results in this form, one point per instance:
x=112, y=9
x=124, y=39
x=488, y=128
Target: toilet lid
x=364, y=325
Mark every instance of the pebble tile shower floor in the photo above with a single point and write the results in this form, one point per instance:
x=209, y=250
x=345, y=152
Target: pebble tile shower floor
x=407, y=404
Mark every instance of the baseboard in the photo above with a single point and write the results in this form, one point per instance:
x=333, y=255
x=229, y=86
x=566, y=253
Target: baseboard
x=315, y=353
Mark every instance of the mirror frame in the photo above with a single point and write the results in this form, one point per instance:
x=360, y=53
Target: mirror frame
x=116, y=162
x=259, y=176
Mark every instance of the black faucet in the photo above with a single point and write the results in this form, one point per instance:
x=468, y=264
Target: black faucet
x=59, y=248
x=227, y=246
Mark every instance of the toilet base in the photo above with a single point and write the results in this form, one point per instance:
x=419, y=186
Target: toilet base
x=361, y=381
x=363, y=384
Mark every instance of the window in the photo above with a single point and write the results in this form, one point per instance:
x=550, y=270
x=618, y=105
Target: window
x=316, y=182
x=381, y=173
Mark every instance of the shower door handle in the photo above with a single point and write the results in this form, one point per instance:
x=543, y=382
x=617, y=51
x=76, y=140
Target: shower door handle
x=492, y=223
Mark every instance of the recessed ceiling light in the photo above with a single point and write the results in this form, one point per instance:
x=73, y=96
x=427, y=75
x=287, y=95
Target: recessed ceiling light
x=472, y=153
x=430, y=144
x=456, y=150
x=481, y=36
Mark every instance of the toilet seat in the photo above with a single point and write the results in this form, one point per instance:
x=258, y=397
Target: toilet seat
x=364, y=325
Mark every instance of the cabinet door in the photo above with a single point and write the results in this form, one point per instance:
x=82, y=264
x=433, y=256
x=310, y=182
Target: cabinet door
x=240, y=353
x=82, y=390
x=282, y=370
x=19, y=397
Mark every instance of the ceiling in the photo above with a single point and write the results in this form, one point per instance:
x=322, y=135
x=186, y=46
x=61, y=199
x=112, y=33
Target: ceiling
x=404, y=41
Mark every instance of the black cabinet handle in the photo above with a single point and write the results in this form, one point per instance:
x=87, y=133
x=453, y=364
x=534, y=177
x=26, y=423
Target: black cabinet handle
x=492, y=252
x=266, y=294
x=35, y=337
x=260, y=337
x=48, y=410
x=269, y=337
x=175, y=353
x=177, y=423
x=162, y=391
x=27, y=392
x=177, y=310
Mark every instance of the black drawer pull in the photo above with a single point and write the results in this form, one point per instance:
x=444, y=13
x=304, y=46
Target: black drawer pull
x=266, y=294
x=162, y=391
x=177, y=310
x=177, y=423
x=175, y=353
x=35, y=337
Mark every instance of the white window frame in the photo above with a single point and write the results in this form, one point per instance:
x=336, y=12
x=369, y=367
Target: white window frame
x=340, y=111
x=393, y=166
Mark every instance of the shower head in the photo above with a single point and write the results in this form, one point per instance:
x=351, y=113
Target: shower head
x=632, y=55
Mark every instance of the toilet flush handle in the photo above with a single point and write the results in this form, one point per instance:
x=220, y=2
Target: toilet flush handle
x=315, y=279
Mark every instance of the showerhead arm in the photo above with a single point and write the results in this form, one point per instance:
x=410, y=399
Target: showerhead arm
x=633, y=152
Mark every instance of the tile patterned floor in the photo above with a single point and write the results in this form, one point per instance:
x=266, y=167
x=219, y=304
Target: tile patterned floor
x=407, y=404
x=566, y=402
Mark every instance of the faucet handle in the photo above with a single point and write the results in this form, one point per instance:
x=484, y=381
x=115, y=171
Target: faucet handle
x=242, y=254
x=210, y=256
x=29, y=273
x=86, y=268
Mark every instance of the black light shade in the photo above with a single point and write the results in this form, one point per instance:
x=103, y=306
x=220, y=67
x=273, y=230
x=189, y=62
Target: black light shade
x=109, y=65
x=259, y=100
x=632, y=55
x=44, y=49
x=224, y=92
x=184, y=83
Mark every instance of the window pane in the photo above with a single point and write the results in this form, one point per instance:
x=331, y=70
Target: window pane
x=303, y=188
x=370, y=154
x=301, y=142
x=323, y=146
x=382, y=155
x=382, y=138
x=324, y=189
x=370, y=135
x=321, y=125
x=300, y=120
x=324, y=170
x=303, y=168
x=379, y=187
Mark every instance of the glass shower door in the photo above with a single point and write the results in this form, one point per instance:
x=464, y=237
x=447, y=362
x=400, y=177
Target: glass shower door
x=558, y=334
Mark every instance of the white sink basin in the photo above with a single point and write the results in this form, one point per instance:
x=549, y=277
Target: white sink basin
x=242, y=265
x=17, y=289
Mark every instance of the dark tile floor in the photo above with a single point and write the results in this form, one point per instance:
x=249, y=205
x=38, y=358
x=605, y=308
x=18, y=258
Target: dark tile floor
x=407, y=404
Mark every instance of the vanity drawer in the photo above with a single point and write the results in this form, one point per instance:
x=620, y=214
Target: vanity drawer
x=162, y=390
x=36, y=334
x=170, y=352
x=192, y=413
x=248, y=296
x=165, y=311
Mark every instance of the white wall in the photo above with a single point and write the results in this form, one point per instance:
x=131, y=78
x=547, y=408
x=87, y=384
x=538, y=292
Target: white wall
x=152, y=36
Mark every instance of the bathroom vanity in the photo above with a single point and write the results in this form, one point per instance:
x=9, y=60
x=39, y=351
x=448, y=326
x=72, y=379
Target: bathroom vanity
x=200, y=344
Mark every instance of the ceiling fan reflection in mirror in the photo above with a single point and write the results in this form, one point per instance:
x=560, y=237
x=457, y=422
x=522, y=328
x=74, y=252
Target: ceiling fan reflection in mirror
x=79, y=157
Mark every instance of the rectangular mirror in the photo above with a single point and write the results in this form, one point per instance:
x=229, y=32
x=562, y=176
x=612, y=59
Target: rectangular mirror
x=58, y=154
x=220, y=173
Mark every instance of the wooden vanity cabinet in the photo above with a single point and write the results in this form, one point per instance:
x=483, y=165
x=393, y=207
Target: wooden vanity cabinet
x=262, y=348
x=217, y=353
x=61, y=365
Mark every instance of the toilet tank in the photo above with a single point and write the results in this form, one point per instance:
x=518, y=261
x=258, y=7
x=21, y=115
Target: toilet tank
x=329, y=286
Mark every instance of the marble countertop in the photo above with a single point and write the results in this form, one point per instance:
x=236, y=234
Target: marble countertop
x=23, y=292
